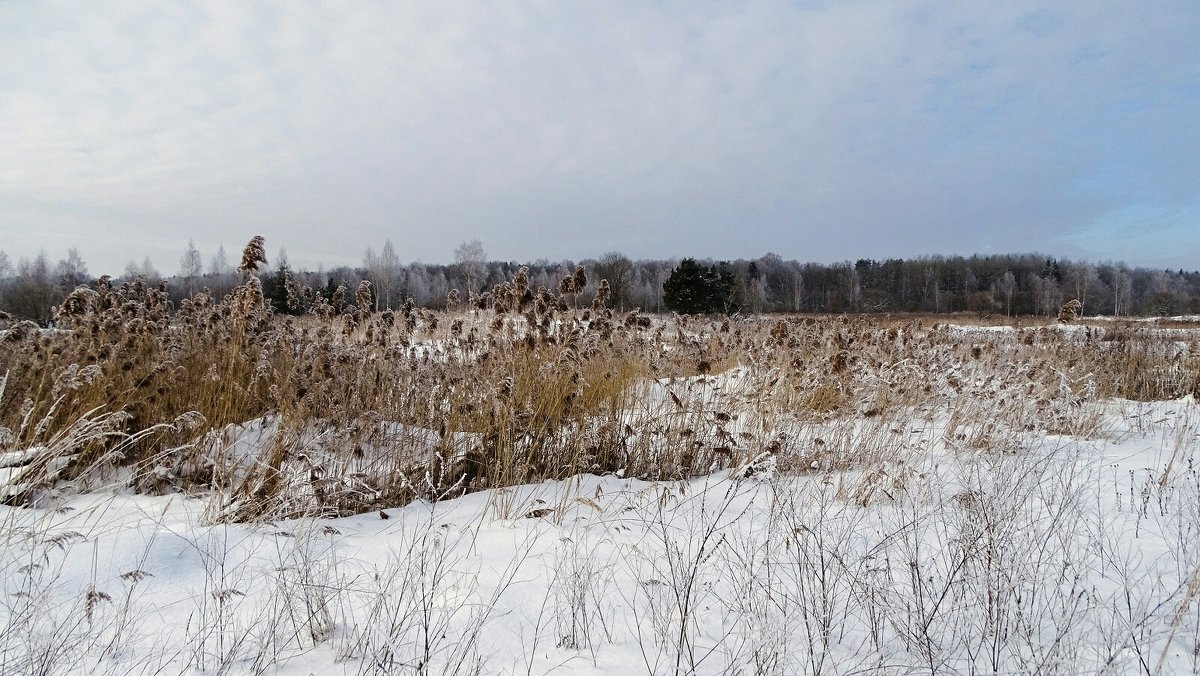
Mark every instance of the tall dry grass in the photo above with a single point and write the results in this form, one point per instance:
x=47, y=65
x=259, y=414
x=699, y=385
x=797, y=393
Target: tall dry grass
x=360, y=409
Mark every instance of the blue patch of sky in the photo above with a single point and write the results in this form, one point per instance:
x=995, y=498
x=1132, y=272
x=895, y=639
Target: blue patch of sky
x=1040, y=23
x=1168, y=235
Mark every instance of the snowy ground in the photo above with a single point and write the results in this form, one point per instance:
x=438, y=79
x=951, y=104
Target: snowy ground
x=1066, y=556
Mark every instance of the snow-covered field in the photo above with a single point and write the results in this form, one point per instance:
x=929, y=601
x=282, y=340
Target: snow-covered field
x=222, y=490
x=1058, y=555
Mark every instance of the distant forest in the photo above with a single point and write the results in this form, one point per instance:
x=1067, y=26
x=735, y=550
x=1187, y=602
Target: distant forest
x=1012, y=284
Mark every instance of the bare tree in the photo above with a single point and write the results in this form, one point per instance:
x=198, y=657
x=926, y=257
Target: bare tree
x=471, y=260
x=418, y=283
x=756, y=293
x=383, y=271
x=71, y=271
x=932, y=288
x=6, y=271
x=191, y=266
x=1122, y=288
x=618, y=270
x=219, y=265
x=851, y=285
x=33, y=290
x=1079, y=278
x=144, y=269
x=795, y=287
x=1007, y=286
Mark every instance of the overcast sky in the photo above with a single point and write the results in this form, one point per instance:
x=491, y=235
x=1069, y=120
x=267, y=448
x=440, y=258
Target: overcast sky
x=820, y=131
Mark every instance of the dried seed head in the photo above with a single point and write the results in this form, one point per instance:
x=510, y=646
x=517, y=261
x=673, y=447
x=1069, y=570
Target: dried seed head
x=254, y=253
x=603, y=292
x=362, y=298
x=566, y=286
x=293, y=291
x=501, y=297
x=189, y=421
x=1070, y=311
x=76, y=306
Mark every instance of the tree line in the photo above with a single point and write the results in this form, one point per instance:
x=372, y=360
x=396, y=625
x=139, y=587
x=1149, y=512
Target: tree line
x=1009, y=284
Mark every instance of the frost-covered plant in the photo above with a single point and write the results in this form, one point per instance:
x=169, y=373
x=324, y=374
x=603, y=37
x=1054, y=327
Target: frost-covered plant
x=1070, y=311
x=532, y=389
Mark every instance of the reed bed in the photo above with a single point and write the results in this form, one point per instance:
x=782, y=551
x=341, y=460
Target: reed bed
x=343, y=410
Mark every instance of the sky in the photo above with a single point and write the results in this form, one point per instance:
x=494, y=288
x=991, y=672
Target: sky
x=820, y=131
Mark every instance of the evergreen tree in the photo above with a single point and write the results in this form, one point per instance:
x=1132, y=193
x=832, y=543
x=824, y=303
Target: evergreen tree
x=685, y=290
x=275, y=287
x=694, y=288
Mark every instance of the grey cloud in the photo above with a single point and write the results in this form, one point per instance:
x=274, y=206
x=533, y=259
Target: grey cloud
x=563, y=130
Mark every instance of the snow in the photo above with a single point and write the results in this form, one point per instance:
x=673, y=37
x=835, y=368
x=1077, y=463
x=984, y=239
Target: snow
x=1067, y=554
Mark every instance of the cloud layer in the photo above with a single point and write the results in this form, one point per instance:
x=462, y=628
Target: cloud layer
x=819, y=131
